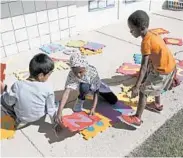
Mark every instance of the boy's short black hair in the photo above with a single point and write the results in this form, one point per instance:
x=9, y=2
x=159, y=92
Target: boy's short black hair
x=139, y=19
x=40, y=63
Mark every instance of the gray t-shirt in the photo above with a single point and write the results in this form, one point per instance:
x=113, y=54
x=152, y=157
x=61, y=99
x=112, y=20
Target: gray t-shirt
x=91, y=77
x=32, y=100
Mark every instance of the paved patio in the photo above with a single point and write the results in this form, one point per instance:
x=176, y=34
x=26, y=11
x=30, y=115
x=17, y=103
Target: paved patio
x=39, y=141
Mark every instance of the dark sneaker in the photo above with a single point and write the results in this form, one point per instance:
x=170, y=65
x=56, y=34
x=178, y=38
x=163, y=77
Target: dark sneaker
x=154, y=107
x=133, y=120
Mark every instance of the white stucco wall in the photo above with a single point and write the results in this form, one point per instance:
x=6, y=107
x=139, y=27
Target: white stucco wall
x=32, y=29
x=127, y=9
x=156, y=5
x=91, y=20
x=86, y=20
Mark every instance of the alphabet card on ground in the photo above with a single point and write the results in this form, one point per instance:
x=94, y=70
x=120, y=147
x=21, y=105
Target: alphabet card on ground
x=76, y=43
x=93, y=46
x=173, y=41
x=21, y=74
x=51, y=48
x=129, y=69
x=97, y=128
x=90, y=52
x=179, y=73
x=3, y=67
x=58, y=59
x=180, y=63
x=159, y=31
x=125, y=96
x=109, y=112
x=79, y=121
x=122, y=108
x=137, y=58
x=7, y=129
x=61, y=65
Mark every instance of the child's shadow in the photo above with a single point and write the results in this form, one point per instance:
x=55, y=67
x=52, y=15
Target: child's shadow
x=122, y=125
x=108, y=112
x=117, y=80
x=47, y=128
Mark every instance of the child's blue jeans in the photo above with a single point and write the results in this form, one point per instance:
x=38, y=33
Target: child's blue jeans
x=84, y=89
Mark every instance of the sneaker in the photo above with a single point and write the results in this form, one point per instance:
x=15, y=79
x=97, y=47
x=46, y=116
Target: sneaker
x=133, y=120
x=154, y=107
x=20, y=125
x=78, y=106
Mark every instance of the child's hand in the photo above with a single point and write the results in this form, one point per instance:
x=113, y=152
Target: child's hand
x=58, y=119
x=92, y=112
x=57, y=129
x=58, y=125
x=135, y=91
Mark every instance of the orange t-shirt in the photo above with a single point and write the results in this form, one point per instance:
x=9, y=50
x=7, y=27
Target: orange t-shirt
x=161, y=57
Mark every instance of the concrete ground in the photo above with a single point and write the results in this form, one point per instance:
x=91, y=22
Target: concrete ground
x=39, y=141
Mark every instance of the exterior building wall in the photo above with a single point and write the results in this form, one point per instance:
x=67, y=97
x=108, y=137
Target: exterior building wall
x=29, y=24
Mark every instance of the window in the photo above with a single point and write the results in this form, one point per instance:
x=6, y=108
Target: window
x=130, y=1
x=95, y=5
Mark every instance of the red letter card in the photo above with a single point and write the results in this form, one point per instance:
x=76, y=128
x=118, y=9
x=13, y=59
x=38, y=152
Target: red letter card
x=173, y=41
x=3, y=67
x=159, y=31
x=129, y=69
x=79, y=121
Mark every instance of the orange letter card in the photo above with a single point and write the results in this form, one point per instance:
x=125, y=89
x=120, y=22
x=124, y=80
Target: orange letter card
x=3, y=67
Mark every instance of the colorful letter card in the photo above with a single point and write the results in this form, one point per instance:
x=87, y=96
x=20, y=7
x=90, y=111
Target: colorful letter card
x=79, y=121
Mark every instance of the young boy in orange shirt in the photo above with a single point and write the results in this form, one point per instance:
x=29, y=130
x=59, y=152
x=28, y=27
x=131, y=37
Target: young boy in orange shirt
x=157, y=70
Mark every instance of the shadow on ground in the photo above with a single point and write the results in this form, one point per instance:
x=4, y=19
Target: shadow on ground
x=119, y=79
x=47, y=128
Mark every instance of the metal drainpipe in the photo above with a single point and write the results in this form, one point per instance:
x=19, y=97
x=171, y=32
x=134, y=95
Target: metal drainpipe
x=118, y=9
x=150, y=5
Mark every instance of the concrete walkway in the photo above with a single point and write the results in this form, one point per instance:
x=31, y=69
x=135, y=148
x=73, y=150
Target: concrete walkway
x=39, y=141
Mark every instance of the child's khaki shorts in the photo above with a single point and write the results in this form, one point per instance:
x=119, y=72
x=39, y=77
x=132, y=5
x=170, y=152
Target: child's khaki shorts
x=155, y=83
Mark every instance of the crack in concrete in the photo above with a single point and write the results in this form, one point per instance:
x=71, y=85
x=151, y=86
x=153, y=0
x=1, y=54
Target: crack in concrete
x=33, y=144
x=117, y=38
x=168, y=17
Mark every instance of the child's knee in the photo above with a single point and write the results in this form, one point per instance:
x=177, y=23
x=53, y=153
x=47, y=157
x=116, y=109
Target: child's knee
x=84, y=88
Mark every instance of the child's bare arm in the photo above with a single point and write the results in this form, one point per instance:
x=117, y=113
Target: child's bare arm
x=63, y=102
x=95, y=101
x=143, y=70
x=58, y=126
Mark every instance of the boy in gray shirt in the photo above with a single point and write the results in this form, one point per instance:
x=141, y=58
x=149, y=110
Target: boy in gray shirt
x=31, y=99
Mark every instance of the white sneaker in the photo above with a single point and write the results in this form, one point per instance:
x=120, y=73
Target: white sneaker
x=78, y=105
